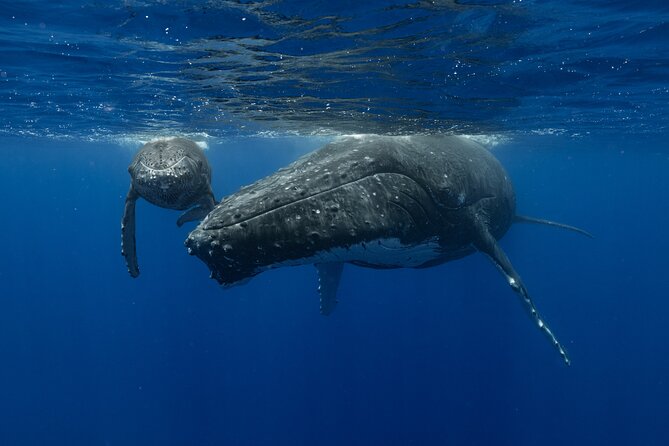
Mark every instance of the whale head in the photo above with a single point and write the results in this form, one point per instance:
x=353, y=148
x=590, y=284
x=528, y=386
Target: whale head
x=170, y=173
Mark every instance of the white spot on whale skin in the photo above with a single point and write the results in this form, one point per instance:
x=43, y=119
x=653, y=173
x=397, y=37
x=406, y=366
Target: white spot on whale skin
x=461, y=198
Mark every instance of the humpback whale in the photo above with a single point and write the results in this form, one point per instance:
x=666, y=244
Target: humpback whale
x=372, y=201
x=171, y=173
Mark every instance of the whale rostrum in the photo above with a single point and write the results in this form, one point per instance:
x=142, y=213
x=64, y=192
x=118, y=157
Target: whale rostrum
x=372, y=201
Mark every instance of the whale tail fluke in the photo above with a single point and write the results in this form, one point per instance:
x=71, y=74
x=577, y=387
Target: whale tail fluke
x=541, y=221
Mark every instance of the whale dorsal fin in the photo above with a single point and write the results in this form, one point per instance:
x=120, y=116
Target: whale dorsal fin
x=486, y=243
x=328, y=283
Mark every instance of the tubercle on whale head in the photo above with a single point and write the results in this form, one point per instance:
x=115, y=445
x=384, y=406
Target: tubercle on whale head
x=175, y=187
x=212, y=253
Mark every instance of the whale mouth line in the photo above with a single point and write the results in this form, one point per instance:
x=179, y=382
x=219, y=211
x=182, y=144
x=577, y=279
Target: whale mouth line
x=165, y=170
x=301, y=199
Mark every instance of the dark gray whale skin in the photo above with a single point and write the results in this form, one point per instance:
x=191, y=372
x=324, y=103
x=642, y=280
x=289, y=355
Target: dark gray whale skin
x=172, y=173
x=342, y=203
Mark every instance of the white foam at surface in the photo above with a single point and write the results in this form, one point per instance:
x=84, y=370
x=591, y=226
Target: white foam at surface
x=136, y=141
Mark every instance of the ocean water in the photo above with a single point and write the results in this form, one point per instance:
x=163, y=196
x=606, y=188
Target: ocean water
x=572, y=97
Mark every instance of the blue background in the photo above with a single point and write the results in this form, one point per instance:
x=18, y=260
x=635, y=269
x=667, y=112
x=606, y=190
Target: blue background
x=575, y=95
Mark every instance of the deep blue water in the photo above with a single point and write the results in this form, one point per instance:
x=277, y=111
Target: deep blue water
x=573, y=93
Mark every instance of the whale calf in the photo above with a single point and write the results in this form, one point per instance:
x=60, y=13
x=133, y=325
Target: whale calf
x=372, y=201
x=172, y=173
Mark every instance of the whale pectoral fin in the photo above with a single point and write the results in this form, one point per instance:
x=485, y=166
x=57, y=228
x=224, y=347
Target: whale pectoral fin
x=128, y=245
x=328, y=283
x=541, y=221
x=192, y=214
x=199, y=211
x=486, y=243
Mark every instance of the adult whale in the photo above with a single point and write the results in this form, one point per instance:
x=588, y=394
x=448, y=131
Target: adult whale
x=373, y=201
